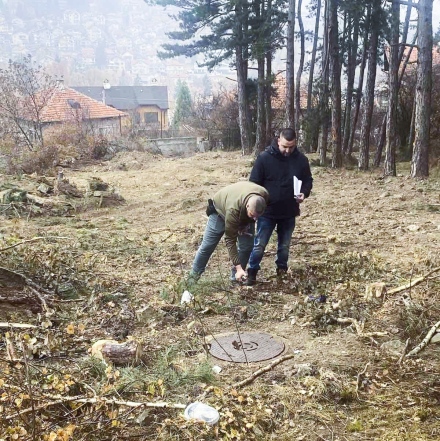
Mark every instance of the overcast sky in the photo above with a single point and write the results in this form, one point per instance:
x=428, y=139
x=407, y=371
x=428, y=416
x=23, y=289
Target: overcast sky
x=436, y=15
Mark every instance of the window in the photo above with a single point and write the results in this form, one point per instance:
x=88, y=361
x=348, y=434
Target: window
x=151, y=117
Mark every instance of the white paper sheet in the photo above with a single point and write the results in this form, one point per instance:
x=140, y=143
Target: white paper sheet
x=296, y=186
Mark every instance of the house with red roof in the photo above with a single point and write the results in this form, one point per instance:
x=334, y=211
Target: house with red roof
x=65, y=108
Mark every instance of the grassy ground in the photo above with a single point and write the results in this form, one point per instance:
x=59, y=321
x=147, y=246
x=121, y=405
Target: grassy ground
x=119, y=272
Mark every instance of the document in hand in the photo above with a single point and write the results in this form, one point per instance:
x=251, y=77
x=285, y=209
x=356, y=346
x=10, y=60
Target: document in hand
x=296, y=186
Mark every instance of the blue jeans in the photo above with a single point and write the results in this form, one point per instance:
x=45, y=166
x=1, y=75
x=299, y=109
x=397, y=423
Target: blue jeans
x=215, y=228
x=265, y=227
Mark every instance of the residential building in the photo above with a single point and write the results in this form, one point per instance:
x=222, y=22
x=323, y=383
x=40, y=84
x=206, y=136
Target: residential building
x=148, y=105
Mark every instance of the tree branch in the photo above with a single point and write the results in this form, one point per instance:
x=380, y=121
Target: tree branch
x=425, y=341
x=412, y=282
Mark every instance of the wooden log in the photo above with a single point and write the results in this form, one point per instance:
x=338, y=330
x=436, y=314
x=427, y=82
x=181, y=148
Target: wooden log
x=15, y=293
x=110, y=351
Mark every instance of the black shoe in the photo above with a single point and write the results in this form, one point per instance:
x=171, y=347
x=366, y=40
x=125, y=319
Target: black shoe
x=251, y=277
x=281, y=272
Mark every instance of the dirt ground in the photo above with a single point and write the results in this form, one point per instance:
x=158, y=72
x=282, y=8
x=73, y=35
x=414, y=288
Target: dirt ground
x=355, y=229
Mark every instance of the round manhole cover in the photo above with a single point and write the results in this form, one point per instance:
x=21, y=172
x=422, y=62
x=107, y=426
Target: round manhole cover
x=246, y=347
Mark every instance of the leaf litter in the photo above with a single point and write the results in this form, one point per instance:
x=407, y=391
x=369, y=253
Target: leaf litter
x=118, y=272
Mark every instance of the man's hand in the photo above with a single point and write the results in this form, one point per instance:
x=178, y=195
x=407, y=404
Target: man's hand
x=299, y=198
x=240, y=273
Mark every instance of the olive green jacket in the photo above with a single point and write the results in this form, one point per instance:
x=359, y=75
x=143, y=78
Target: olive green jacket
x=230, y=203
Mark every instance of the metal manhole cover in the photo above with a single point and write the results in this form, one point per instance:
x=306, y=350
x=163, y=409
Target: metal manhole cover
x=246, y=347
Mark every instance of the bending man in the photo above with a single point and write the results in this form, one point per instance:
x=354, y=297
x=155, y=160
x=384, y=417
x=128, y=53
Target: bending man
x=274, y=169
x=231, y=212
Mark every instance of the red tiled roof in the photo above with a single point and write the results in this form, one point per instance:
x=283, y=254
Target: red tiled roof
x=64, y=105
x=412, y=61
x=278, y=101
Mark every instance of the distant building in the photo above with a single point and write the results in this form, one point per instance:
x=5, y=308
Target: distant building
x=148, y=105
x=64, y=107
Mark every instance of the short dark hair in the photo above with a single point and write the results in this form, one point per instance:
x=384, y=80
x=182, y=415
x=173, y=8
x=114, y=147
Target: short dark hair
x=288, y=134
x=257, y=204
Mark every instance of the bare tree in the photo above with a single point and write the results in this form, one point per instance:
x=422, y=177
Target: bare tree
x=25, y=89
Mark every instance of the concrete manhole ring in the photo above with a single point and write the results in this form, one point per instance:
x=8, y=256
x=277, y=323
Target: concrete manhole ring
x=245, y=347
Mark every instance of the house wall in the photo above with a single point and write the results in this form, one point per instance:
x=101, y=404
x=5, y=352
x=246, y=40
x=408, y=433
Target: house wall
x=111, y=128
x=173, y=146
x=162, y=115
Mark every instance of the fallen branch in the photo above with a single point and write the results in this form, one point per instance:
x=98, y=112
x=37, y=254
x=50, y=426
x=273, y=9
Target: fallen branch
x=261, y=371
x=16, y=325
x=360, y=327
x=412, y=282
x=425, y=341
x=96, y=400
x=31, y=240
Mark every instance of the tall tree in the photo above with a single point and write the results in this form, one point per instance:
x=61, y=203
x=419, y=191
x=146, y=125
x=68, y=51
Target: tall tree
x=420, y=158
x=183, y=110
x=300, y=69
x=354, y=18
x=290, y=73
x=335, y=76
x=325, y=93
x=391, y=127
x=312, y=122
x=360, y=86
x=383, y=136
x=364, y=144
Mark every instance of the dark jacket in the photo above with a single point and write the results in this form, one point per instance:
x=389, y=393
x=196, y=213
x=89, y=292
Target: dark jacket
x=275, y=173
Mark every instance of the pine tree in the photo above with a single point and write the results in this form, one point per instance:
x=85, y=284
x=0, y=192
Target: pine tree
x=183, y=109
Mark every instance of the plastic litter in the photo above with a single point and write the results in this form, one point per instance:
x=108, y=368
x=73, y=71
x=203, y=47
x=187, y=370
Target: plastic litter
x=187, y=297
x=216, y=369
x=201, y=412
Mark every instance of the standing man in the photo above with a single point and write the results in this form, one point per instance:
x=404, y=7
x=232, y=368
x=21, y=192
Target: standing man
x=231, y=212
x=275, y=169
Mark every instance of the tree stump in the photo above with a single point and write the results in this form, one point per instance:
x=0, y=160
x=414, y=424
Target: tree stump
x=15, y=294
x=116, y=353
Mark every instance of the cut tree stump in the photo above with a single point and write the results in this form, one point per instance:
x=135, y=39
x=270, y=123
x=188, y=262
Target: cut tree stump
x=15, y=293
x=116, y=353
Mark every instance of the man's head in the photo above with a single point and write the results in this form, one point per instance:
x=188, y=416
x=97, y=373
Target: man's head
x=287, y=142
x=255, y=206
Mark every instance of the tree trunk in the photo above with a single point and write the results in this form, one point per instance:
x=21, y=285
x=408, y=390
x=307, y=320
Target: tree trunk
x=290, y=75
x=351, y=70
x=364, y=145
x=260, y=141
x=242, y=102
x=420, y=157
x=391, y=129
x=412, y=128
x=299, y=72
x=382, y=139
x=313, y=59
x=323, y=103
x=268, y=98
x=360, y=83
x=335, y=77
